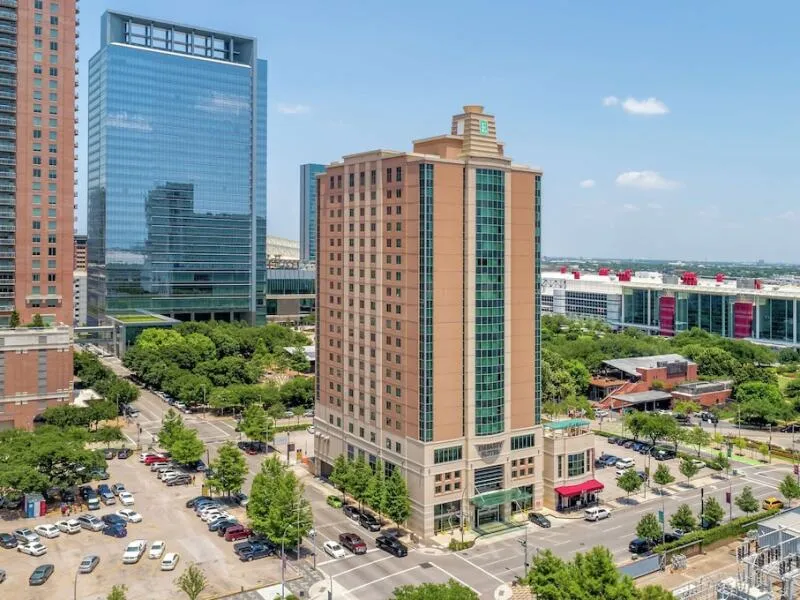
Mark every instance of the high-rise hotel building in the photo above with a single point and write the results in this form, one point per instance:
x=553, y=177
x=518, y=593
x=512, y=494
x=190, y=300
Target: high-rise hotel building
x=427, y=312
x=37, y=144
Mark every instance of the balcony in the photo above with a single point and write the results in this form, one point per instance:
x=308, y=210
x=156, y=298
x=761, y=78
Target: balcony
x=8, y=135
x=8, y=95
x=6, y=28
x=9, y=3
x=7, y=15
x=9, y=108
x=8, y=174
x=6, y=68
x=8, y=41
x=6, y=147
x=5, y=267
x=9, y=81
x=8, y=200
x=9, y=162
x=8, y=121
x=7, y=253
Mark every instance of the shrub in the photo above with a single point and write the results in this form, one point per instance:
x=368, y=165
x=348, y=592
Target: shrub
x=708, y=536
x=457, y=546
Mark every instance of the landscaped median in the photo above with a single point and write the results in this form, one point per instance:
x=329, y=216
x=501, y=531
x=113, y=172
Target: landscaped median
x=707, y=537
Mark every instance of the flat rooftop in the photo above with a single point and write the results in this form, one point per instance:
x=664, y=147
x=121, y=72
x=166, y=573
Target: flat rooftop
x=630, y=365
x=641, y=397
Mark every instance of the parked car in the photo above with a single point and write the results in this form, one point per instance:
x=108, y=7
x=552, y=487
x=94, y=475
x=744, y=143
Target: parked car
x=183, y=479
x=628, y=444
x=109, y=453
x=99, y=474
x=126, y=498
x=25, y=535
x=640, y=546
x=609, y=459
x=41, y=574
x=237, y=532
x=369, y=522
x=698, y=463
x=671, y=536
x=625, y=463
x=256, y=550
x=133, y=551
x=67, y=496
x=144, y=455
x=116, y=530
x=642, y=475
x=191, y=502
x=645, y=448
x=117, y=488
x=612, y=439
x=353, y=542
x=663, y=454
x=106, y=495
x=539, y=519
x=391, y=545
x=308, y=413
x=130, y=515
x=112, y=519
x=8, y=541
x=124, y=453
x=351, y=512
x=91, y=523
x=595, y=513
x=47, y=531
x=224, y=521
x=32, y=548
x=333, y=549
x=170, y=561
x=152, y=459
x=240, y=498
x=770, y=503
x=790, y=428
x=334, y=501
x=89, y=562
x=157, y=549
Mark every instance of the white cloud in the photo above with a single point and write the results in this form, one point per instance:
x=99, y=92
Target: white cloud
x=630, y=208
x=587, y=183
x=610, y=101
x=293, y=109
x=124, y=121
x=649, y=107
x=711, y=212
x=646, y=180
x=225, y=103
x=654, y=206
x=789, y=215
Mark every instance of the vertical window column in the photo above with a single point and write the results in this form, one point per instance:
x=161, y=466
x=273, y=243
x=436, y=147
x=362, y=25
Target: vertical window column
x=426, y=302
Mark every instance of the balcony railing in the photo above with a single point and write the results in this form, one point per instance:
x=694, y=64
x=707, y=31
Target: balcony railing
x=8, y=41
x=7, y=28
x=8, y=135
x=9, y=108
x=9, y=81
x=9, y=3
x=6, y=68
x=8, y=15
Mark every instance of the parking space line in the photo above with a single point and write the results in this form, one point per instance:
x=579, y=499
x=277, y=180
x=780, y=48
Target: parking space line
x=469, y=562
x=334, y=560
x=451, y=576
x=385, y=577
x=374, y=562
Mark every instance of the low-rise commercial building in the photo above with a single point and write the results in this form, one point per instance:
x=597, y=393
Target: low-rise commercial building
x=568, y=466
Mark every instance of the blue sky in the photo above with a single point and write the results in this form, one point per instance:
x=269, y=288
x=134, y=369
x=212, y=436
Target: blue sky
x=684, y=115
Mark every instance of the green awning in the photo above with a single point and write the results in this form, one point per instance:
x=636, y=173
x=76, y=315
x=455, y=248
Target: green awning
x=566, y=424
x=499, y=497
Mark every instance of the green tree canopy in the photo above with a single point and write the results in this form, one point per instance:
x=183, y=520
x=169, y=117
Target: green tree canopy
x=746, y=501
x=688, y=468
x=698, y=437
x=663, y=476
x=187, y=448
x=683, y=518
x=452, y=590
x=398, y=504
x=790, y=488
x=192, y=582
x=629, y=481
x=342, y=474
x=712, y=512
x=118, y=592
x=256, y=425
x=171, y=427
x=648, y=527
x=229, y=469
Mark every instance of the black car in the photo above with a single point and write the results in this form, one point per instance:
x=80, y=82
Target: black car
x=117, y=530
x=113, y=520
x=640, y=546
x=671, y=537
x=539, y=519
x=351, y=512
x=86, y=491
x=41, y=574
x=791, y=428
x=369, y=522
x=124, y=453
x=612, y=440
x=391, y=545
x=8, y=541
x=67, y=496
x=222, y=528
x=190, y=503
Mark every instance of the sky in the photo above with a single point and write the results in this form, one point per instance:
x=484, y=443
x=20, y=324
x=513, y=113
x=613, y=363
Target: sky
x=665, y=130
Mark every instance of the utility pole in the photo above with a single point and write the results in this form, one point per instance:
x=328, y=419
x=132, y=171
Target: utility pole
x=524, y=544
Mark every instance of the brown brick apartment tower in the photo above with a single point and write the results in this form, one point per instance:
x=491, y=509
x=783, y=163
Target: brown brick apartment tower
x=38, y=45
x=427, y=322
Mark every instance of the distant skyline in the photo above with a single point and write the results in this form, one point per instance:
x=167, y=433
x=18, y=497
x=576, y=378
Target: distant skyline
x=663, y=130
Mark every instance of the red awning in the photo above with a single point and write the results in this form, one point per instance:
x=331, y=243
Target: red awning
x=573, y=490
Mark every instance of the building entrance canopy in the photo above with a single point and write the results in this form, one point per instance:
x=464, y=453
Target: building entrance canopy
x=499, y=497
x=575, y=490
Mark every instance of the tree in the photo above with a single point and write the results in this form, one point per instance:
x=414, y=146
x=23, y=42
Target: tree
x=100, y=410
x=649, y=527
x=655, y=592
x=688, y=468
x=108, y=435
x=790, y=488
x=763, y=449
x=229, y=468
x=171, y=427
x=118, y=592
x=663, y=476
x=685, y=407
x=342, y=474
x=362, y=473
x=760, y=403
x=718, y=439
x=683, y=518
x=629, y=482
x=715, y=362
x=792, y=389
x=192, y=582
x=37, y=321
x=740, y=443
x=746, y=501
x=398, y=504
x=375, y=495
x=698, y=437
x=723, y=462
x=187, y=448
x=712, y=513
x=13, y=320
x=452, y=590
x=256, y=425
x=637, y=422
x=265, y=481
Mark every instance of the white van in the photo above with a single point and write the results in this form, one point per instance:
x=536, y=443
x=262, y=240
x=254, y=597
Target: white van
x=596, y=514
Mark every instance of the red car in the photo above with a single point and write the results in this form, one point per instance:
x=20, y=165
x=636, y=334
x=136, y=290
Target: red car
x=237, y=532
x=353, y=542
x=150, y=460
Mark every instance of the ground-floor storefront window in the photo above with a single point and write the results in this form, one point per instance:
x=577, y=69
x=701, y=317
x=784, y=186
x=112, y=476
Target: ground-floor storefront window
x=446, y=516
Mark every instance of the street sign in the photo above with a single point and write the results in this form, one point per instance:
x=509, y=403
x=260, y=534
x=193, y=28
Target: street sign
x=484, y=127
x=797, y=469
x=661, y=517
x=728, y=497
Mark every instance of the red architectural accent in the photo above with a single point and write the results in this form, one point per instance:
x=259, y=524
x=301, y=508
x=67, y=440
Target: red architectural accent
x=625, y=275
x=666, y=315
x=576, y=274
x=574, y=490
x=757, y=284
x=720, y=277
x=742, y=319
x=689, y=278
x=603, y=271
x=562, y=269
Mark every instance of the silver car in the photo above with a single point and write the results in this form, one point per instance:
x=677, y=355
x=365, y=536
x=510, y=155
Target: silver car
x=89, y=562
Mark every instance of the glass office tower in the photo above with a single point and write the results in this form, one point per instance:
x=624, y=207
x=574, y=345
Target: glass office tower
x=177, y=172
x=308, y=210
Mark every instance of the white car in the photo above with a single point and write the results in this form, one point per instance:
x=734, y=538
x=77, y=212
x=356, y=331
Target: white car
x=32, y=548
x=133, y=551
x=170, y=561
x=213, y=515
x=334, y=549
x=25, y=536
x=69, y=526
x=126, y=498
x=625, y=463
x=596, y=514
x=166, y=475
x=131, y=516
x=47, y=531
x=157, y=549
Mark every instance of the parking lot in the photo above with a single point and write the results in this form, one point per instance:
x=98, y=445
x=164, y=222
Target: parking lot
x=164, y=518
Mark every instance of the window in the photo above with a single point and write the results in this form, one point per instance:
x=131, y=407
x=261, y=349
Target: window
x=398, y=174
x=53, y=20
x=37, y=30
x=37, y=69
x=53, y=45
x=389, y=175
x=519, y=442
x=576, y=464
x=372, y=177
x=53, y=71
x=442, y=455
x=38, y=4
x=37, y=57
